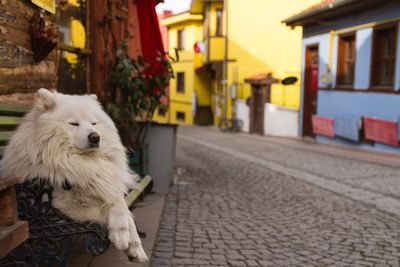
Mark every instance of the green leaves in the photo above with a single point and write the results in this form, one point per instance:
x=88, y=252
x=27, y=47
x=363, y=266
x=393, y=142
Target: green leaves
x=136, y=87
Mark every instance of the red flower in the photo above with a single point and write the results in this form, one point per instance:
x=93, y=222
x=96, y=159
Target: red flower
x=156, y=90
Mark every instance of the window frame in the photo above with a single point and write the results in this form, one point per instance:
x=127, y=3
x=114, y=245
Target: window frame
x=374, y=85
x=342, y=60
x=219, y=22
x=161, y=112
x=181, y=39
x=183, y=118
x=86, y=52
x=180, y=82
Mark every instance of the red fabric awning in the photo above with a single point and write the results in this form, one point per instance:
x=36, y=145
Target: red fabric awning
x=150, y=35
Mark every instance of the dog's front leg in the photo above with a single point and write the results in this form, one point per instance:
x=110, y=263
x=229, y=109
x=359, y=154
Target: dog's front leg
x=135, y=251
x=119, y=225
x=123, y=233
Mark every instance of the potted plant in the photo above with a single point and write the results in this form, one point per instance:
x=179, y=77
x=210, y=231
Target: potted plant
x=135, y=91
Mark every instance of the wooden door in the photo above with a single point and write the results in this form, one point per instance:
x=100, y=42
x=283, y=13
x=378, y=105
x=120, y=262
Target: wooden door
x=310, y=89
x=257, y=103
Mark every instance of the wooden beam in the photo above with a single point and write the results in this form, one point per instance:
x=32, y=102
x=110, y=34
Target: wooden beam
x=10, y=121
x=12, y=236
x=135, y=193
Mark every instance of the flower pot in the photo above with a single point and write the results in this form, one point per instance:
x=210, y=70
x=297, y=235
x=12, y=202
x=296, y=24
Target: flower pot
x=162, y=140
x=138, y=158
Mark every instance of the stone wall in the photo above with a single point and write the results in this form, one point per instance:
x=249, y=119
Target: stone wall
x=19, y=75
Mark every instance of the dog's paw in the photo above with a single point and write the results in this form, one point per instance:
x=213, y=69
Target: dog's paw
x=120, y=238
x=136, y=253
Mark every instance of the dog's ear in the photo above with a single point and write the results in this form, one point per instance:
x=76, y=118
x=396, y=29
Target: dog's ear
x=93, y=96
x=45, y=100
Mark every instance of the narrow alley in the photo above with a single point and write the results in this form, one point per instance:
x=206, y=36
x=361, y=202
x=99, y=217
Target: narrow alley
x=259, y=201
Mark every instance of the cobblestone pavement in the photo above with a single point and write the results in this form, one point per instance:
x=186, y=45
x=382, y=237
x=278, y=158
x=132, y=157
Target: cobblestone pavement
x=234, y=205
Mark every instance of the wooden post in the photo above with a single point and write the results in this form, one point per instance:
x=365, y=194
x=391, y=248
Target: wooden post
x=12, y=231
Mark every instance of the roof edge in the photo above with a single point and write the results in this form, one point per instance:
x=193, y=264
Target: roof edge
x=297, y=20
x=180, y=18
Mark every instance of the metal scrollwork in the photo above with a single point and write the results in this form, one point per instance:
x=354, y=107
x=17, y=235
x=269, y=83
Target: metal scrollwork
x=51, y=233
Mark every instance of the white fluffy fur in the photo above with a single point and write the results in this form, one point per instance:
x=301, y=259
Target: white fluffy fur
x=47, y=146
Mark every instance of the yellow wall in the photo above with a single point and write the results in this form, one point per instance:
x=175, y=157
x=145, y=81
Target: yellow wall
x=188, y=62
x=186, y=108
x=217, y=48
x=161, y=119
x=203, y=86
x=187, y=68
x=213, y=16
x=259, y=42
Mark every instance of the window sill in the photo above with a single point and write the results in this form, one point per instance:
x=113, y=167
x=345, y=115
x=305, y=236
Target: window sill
x=369, y=90
x=388, y=88
x=345, y=87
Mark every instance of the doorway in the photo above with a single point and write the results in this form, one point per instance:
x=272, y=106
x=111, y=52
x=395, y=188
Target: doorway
x=310, y=89
x=257, y=103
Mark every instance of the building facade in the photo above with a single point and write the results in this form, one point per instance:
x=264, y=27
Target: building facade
x=187, y=92
x=236, y=40
x=351, y=73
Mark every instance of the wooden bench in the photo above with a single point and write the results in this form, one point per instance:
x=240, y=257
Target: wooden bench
x=12, y=231
x=51, y=233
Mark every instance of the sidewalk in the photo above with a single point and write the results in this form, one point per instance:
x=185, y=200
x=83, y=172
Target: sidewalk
x=384, y=158
x=148, y=216
x=243, y=200
x=368, y=177
x=310, y=145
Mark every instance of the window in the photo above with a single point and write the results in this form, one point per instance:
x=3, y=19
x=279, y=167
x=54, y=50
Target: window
x=218, y=29
x=162, y=112
x=180, y=83
x=346, y=60
x=181, y=39
x=180, y=116
x=383, y=56
x=72, y=76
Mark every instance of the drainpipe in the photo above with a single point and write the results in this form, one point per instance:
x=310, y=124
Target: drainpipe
x=225, y=63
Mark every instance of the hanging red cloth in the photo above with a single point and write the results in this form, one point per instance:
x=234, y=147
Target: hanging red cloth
x=150, y=35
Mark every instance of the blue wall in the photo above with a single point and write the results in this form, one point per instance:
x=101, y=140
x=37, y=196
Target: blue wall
x=359, y=103
x=363, y=58
x=385, y=106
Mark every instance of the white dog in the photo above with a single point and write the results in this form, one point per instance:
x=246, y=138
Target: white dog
x=70, y=138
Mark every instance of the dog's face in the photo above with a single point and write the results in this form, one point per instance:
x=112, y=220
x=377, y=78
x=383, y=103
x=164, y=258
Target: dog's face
x=78, y=120
x=84, y=133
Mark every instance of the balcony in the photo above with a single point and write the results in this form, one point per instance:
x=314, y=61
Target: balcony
x=215, y=47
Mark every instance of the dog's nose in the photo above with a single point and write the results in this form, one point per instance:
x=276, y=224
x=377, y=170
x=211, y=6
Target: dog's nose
x=94, y=138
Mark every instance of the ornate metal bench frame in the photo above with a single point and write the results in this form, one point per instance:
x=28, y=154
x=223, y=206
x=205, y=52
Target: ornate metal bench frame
x=51, y=233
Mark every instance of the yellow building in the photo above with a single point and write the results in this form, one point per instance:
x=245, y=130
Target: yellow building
x=189, y=92
x=258, y=42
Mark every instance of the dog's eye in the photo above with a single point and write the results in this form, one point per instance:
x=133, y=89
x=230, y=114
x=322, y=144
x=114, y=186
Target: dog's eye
x=93, y=123
x=74, y=123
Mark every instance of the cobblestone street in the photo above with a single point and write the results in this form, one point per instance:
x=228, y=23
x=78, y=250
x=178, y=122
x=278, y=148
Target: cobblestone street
x=242, y=200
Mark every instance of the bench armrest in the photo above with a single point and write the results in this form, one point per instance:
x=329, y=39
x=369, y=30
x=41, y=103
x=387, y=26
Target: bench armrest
x=6, y=182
